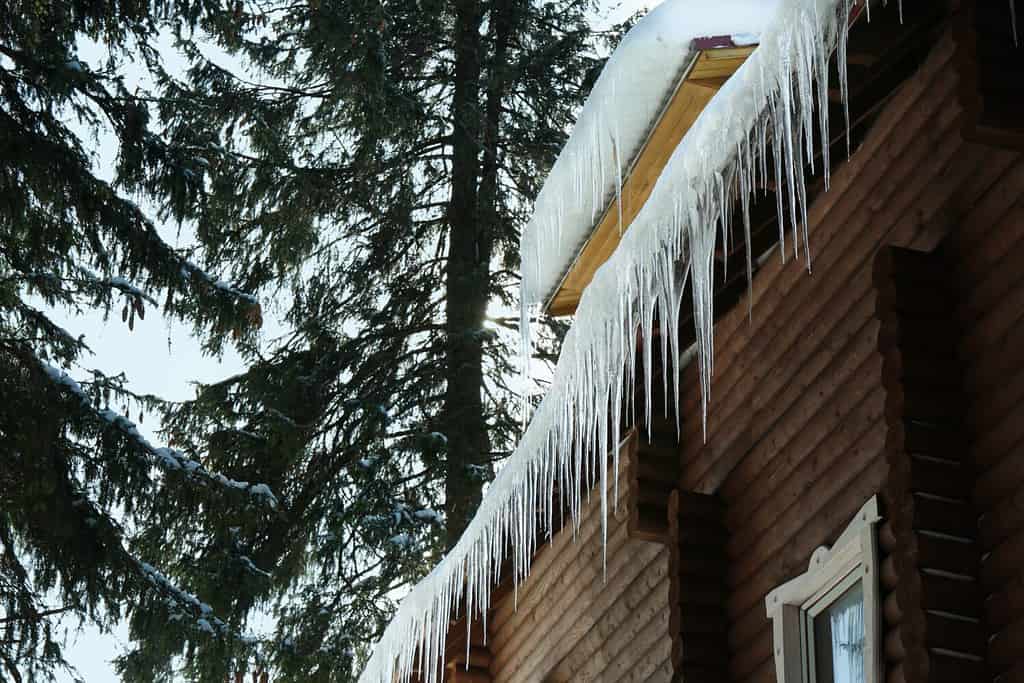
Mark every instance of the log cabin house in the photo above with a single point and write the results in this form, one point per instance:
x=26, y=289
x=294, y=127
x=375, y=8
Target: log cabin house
x=854, y=509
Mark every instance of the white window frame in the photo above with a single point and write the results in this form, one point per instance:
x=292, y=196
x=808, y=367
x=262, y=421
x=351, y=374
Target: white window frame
x=831, y=572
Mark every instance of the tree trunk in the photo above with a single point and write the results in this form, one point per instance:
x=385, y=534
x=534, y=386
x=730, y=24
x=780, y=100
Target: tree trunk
x=467, y=280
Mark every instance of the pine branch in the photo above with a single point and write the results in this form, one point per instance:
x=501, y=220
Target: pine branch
x=168, y=459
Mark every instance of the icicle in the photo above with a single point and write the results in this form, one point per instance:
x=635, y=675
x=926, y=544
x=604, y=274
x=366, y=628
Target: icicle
x=1013, y=21
x=765, y=109
x=844, y=85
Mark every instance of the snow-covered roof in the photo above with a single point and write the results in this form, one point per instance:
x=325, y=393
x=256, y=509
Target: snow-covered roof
x=768, y=104
x=614, y=123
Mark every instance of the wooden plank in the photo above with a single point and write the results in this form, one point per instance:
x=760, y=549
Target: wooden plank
x=565, y=550
x=920, y=101
x=615, y=636
x=920, y=165
x=709, y=72
x=587, y=607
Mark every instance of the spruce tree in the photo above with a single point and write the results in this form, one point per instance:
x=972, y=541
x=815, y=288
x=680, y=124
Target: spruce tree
x=78, y=481
x=375, y=162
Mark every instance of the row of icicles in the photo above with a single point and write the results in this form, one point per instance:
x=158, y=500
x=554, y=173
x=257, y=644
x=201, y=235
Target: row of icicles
x=759, y=130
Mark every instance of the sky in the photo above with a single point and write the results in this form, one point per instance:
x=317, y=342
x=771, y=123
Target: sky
x=160, y=357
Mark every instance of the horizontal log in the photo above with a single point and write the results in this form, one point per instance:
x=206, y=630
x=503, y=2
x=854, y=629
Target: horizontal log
x=929, y=405
x=893, y=647
x=1003, y=480
x=707, y=649
x=954, y=635
x=895, y=674
x=1007, y=647
x=701, y=561
x=597, y=605
x=613, y=636
x=892, y=611
x=649, y=522
x=994, y=325
x=785, y=556
x=841, y=417
x=701, y=592
x=472, y=675
x=889, y=575
x=994, y=445
x=547, y=591
x=944, y=594
x=952, y=669
x=700, y=507
x=479, y=657
x=816, y=519
x=977, y=245
x=886, y=537
x=663, y=674
x=909, y=266
x=1005, y=605
x=947, y=555
x=563, y=557
x=982, y=292
x=953, y=518
x=655, y=492
x=750, y=655
x=696, y=673
x=922, y=101
x=941, y=441
x=1004, y=563
x=648, y=649
x=649, y=469
x=702, y=620
x=932, y=477
x=984, y=372
x=783, y=481
x=921, y=368
x=998, y=401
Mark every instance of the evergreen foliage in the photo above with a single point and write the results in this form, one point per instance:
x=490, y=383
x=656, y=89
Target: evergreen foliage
x=76, y=476
x=369, y=171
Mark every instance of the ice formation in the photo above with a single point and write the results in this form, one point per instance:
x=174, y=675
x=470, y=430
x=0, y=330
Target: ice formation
x=767, y=106
x=1013, y=20
x=612, y=126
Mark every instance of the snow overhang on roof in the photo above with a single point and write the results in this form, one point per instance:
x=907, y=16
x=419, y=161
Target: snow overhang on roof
x=627, y=102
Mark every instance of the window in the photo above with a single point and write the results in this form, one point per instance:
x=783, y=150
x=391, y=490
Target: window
x=825, y=623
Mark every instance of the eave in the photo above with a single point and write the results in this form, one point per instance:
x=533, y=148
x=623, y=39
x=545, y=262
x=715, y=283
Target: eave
x=714, y=62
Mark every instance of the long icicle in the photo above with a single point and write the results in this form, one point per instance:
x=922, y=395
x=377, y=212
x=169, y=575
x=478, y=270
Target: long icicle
x=571, y=432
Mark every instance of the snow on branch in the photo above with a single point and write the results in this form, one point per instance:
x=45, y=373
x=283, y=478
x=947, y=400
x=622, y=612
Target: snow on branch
x=180, y=603
x=759, y=128
x=167, y=459
x=191, y=270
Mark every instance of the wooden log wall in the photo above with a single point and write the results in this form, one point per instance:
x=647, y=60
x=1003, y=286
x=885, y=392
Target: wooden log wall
x=987, y=253
x=697, y=560
x=797, y=429
x=930, y=574
x=574, y=619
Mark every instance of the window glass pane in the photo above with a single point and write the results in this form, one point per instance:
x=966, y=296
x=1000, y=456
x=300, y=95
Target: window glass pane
x=839, y=639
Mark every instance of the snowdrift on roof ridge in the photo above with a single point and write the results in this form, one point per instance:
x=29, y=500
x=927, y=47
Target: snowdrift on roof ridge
x=613, y=124
x=767, y=105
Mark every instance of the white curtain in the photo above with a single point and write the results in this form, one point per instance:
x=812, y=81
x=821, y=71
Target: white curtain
x=846, y=622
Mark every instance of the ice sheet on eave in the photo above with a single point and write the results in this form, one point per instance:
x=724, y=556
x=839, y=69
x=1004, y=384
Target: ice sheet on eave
x=614, y=123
